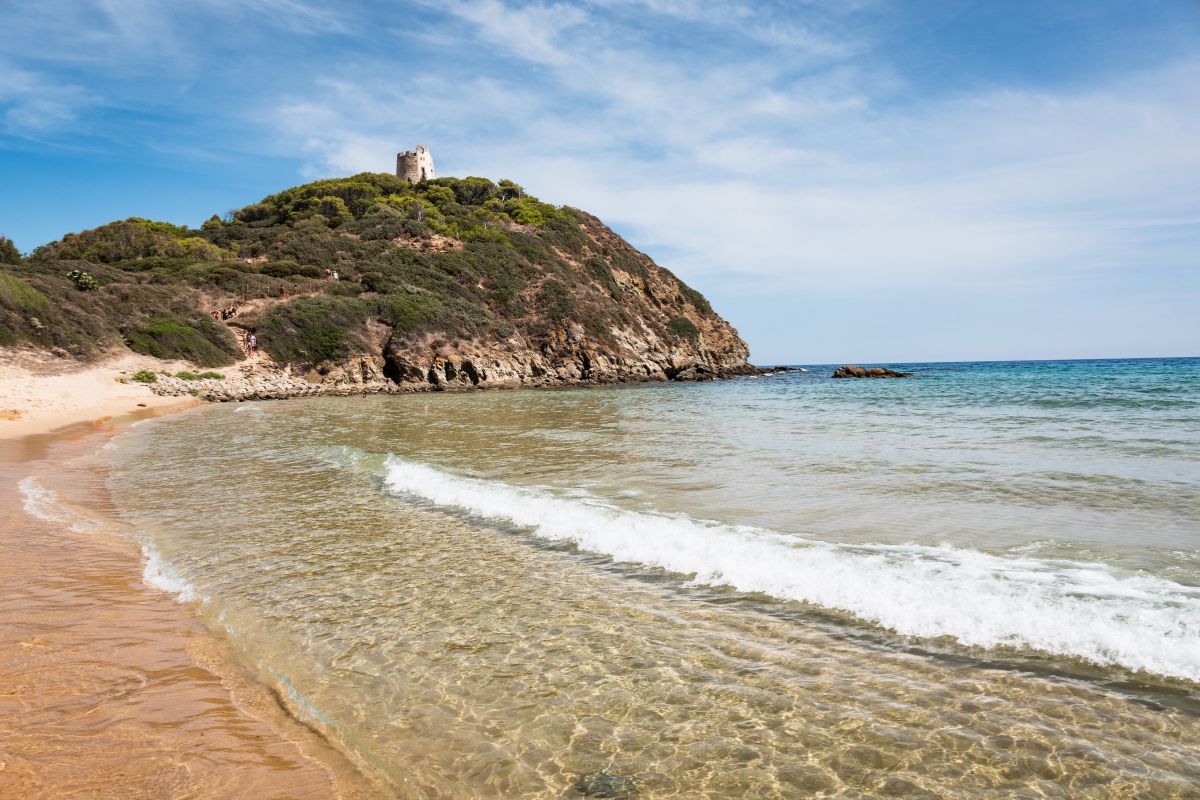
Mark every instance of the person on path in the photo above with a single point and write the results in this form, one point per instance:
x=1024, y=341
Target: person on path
x=252, y=343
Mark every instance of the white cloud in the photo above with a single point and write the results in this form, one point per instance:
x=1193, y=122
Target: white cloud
x=34, y=105
x=747, y=175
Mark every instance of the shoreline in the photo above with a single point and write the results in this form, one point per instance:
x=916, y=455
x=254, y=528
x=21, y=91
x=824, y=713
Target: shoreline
x=109, y=687
x=40, y=393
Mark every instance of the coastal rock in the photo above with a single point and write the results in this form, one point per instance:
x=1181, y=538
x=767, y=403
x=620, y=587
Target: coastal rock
x=850, y=371
x=603, y=783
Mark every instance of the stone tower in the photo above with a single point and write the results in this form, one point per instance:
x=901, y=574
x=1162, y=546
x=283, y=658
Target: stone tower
x=415, y=165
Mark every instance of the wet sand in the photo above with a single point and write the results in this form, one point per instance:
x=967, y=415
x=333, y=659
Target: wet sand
x=108, y=688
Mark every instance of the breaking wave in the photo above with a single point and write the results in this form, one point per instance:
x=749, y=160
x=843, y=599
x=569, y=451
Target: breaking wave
x=1085, y=610
x=160, y=575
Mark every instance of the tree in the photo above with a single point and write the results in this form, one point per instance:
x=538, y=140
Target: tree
x=507, y=190
x=440, y=196
x=9, y=254
x=473, y=191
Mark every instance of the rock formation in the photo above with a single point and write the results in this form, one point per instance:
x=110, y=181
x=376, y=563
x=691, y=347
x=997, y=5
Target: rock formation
x=850, y=371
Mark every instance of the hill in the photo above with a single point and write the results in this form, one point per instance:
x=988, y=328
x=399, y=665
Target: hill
x=449, y=282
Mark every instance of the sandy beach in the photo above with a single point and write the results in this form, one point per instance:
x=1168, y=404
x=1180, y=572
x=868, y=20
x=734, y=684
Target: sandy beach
x=39, y=392
x=109, y=688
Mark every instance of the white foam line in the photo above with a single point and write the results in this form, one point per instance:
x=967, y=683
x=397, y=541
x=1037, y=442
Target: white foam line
x=45, y=504
x=1090, y=611
x=160, y=575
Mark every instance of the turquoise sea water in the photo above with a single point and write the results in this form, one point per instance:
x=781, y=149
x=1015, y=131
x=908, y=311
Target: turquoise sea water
x=981, y=581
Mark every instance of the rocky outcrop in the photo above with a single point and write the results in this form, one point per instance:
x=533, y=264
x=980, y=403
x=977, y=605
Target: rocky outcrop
x=565, y=356
x=868, y=372
x=480, y=365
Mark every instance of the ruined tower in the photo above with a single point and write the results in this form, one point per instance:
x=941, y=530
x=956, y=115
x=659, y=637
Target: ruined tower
x=415, y=165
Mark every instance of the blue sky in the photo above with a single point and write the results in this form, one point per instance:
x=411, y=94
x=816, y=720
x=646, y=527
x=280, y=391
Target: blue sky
x=864, y=180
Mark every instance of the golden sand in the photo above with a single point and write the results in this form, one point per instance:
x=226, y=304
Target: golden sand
x=108, y=688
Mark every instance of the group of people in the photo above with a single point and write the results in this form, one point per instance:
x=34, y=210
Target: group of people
x=332, y=275
x=249, y=342
x=225, y=313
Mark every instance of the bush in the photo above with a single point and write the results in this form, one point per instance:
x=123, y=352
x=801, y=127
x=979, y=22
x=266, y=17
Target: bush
x=9, y=254
x=144, y=376
x=187, y=376
x=310, y=330
x=201, y=342
x=84, y=281
x=683, y=327
x=16, y=294
x=132, y=239
x=556, y=300
x=286, y=268
x=373, y=282
x=698, y=300
x=210, y=375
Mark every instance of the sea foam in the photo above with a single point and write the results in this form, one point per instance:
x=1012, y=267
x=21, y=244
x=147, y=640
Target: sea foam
x=1086, y=610
x=160, y=575
x=46, y=505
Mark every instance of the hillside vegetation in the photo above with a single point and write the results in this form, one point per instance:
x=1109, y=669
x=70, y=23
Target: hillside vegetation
x=433, y=265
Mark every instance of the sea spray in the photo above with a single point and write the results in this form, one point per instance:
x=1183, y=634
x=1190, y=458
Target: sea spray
x=1089, y=611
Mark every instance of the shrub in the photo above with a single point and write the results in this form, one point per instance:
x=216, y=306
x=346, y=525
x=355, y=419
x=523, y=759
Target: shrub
x=373, y=282
x=201, y=342
x=599, y=269
x=286, y=268
x=84, y=281
x=9, y=254
x=210, y=375
x=144, y=376
x=310, y=330
x=16, y=294
x=556, y=300
x=698, y=300
x=409, y=312
x=187, y=376
x=683, y=327
x=132, y=239
x=531, y=211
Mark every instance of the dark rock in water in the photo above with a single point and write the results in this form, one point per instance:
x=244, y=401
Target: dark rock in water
x=868, y=372
x=604, y=784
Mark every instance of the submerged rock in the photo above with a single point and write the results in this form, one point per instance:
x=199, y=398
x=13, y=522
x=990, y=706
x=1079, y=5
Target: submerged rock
x=851, y=371
x=602, y=783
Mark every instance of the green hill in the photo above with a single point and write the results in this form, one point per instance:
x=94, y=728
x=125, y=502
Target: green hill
x=426, y=272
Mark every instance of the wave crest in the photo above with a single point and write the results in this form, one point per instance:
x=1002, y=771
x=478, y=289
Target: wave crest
x=1086, y=610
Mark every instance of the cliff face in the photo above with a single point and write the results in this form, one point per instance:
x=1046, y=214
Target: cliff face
x=663, y=335
x=369, y=284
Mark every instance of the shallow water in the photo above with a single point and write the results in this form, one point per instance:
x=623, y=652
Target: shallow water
x=107, y=688
x=981, y=582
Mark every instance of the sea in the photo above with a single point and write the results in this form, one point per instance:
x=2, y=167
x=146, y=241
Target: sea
x=982, y=581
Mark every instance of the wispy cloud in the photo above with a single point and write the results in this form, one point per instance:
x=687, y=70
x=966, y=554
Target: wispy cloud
x=35, y=105
x=752, y=175
x=766, y=149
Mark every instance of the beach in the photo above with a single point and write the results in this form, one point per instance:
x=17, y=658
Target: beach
x=40, y=392
x=977, y=582
x=107, y=687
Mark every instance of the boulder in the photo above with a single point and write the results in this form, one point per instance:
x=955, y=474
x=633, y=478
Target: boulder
x=850, y=371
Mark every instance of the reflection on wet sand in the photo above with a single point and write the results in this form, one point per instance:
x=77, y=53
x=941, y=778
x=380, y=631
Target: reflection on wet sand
x=108, y=689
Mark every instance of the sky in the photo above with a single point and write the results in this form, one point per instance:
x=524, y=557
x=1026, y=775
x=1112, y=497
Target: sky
x=846, y=180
